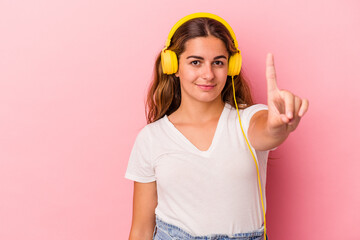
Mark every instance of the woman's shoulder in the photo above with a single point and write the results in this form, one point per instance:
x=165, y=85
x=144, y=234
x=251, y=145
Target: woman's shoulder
x=151, y=129
x=245, y=113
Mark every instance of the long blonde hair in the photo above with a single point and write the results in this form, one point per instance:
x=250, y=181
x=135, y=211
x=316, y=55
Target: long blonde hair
x=164, y=94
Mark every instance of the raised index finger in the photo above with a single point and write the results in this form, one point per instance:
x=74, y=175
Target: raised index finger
x=270, y=73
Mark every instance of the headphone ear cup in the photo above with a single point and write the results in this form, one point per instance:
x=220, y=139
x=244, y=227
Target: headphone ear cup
x=235, y=62
x=169, y=62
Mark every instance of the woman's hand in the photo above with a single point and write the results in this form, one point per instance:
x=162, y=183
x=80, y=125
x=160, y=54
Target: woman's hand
x=285, y=108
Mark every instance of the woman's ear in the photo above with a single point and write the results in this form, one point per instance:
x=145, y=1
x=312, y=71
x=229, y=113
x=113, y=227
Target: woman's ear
x=177, y=74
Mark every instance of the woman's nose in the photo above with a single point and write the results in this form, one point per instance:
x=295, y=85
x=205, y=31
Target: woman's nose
x=208, y=73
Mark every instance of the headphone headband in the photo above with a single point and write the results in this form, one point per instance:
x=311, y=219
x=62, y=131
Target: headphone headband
x=199, y=15
x=169, y=60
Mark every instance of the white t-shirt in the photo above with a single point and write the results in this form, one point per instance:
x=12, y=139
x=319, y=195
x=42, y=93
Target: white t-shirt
x=203, y=192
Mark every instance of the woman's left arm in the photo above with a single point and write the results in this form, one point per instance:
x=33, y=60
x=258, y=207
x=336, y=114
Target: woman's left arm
x=269, y=128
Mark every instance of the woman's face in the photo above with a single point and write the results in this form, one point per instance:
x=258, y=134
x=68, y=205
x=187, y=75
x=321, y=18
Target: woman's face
x=203, y=68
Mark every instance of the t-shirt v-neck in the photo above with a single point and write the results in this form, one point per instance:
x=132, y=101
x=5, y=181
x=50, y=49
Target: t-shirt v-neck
x=215, y=139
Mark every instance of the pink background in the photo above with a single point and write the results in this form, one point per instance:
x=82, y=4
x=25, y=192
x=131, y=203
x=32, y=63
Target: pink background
x=73, y=77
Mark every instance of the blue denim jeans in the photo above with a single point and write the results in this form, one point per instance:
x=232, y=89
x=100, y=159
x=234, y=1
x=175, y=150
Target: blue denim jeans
x=166, y=231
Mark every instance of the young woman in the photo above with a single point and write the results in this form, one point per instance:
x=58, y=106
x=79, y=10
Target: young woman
x=193, y=163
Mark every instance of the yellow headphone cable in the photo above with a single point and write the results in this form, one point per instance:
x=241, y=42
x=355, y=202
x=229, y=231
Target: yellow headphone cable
x=257, y=168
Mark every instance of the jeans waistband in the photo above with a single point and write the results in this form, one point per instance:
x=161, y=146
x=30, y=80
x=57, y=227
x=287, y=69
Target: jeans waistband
x=174, y=232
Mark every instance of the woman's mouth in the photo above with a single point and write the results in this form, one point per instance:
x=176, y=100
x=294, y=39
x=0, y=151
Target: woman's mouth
x=205, y=87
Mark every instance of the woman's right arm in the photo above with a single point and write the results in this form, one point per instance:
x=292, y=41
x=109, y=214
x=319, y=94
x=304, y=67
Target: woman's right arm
x=144, y=204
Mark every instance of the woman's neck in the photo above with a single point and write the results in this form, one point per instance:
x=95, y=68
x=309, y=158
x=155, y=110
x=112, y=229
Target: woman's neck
x=197, y=112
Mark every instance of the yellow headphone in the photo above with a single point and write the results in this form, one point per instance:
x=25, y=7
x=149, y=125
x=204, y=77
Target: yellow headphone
x=169, y=60
x=169, y=65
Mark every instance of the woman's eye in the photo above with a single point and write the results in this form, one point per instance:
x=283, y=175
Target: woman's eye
x=195, y=62
x=219, y=63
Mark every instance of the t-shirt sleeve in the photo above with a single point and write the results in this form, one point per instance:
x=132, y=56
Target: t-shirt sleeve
x=140, y=167
x=249, y=113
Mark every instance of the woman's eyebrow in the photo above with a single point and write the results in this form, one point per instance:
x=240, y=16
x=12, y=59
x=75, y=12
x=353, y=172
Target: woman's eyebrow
x=201, y=58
